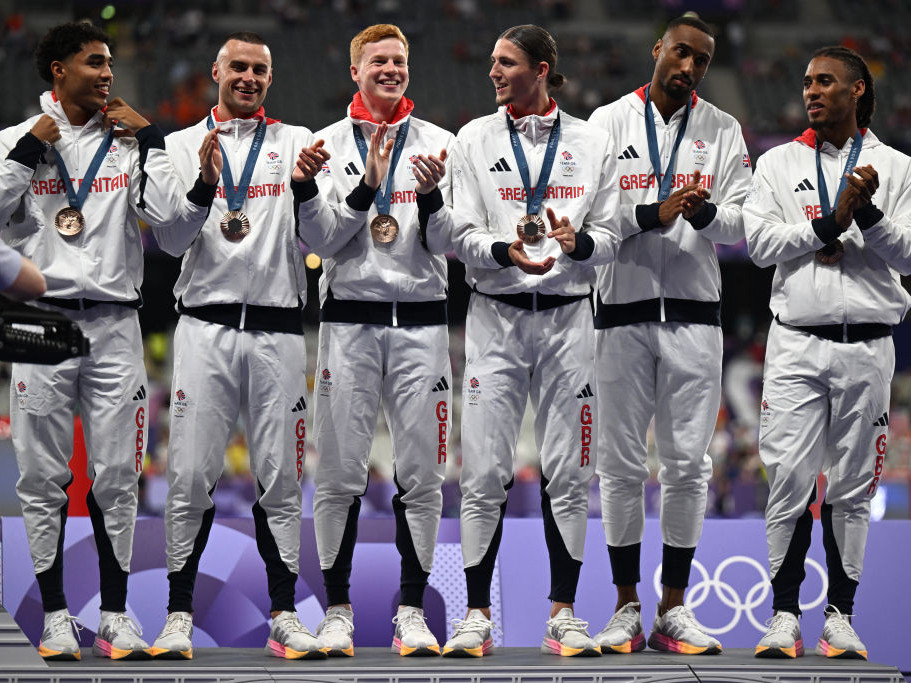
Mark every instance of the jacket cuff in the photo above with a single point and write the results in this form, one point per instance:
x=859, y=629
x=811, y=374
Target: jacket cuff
x=867, y=216
x=150, y=137
x=430, y=202
x=704, y=216
x=304, y=191
x=202, y=194
x=826, y=228
x=361, y=197
x=28, y=151
x=647, y=216
x=585, y=247
x=500, y=252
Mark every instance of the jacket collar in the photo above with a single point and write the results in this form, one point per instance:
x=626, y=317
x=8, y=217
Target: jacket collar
x=51, y=106
x=258, y=115
x=808, y=138
x=534, y=126
x=359, y=115
x=640, y=93
x=357, y=110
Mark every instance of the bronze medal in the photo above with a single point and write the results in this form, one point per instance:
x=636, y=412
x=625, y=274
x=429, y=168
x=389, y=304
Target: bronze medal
x=235, y=226
x=384, y=228
x=69, y=221
x=531, y=229
x=831, y=254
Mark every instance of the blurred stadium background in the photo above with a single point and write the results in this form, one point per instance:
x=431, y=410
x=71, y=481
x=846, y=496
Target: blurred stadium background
x=163, y=52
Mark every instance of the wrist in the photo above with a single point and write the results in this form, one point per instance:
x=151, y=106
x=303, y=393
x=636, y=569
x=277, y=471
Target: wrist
x=372, y=183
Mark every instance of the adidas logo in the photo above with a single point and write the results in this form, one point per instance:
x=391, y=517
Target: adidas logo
x=442, y=385
x=501, y=165
x=804, y=185
x=351, y=169
x=300, y=405
x=586, y=392
x=629, y=153
x=141, y=394
x=882, y=421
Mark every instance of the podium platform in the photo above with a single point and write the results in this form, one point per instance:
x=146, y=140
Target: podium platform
x=506, y=665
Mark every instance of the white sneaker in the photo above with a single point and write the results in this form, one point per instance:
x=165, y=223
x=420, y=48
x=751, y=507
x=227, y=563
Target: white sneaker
x=118, y=637
x=623, y=632
x=838, y=637
x=335, y=632
x=568, y=637
x=290, y=639
x=176, y=638
x=678, y=631
x=59, y=639
x=471, y=637
x=782, y=639
x=412, y=637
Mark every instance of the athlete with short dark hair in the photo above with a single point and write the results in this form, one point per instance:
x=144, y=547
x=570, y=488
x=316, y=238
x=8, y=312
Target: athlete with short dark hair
x=239, y=347
x=683, y=174
x=72, y=197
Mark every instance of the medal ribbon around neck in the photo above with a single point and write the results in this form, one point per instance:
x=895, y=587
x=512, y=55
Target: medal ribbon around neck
x=821, y=179
x=383, y=200
x=664, y=188
x=77, y=199
x=236, y=197
x=533, y=202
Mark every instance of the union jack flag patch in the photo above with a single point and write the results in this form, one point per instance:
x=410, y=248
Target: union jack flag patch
x=746, y=160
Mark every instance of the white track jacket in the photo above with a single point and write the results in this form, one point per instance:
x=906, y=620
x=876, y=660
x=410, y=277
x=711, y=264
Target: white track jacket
x=266, y=267
x=677, y=261
x=489, y=199
x=782, y=215
x=135, y=180
x=413, y=266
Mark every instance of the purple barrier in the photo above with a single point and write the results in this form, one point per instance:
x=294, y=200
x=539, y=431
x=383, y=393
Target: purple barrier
x=729, y=587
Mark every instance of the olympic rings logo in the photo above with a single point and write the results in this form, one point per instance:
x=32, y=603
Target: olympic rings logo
x=756, y=595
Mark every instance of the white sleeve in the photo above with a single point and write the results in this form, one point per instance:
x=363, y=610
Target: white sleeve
x=326, y=221
x=471, y=236
x=624, y=221
x=890, y=237
x=600, y=221
x=16, y=171
x=10, y=265
x=727, y=225
x=439, y=219
x=175, y=212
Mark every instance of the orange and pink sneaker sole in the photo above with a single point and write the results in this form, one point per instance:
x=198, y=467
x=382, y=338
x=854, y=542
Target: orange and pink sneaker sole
x=636, y=644
x=278, y=650
x=551, y=646
x=827, y=650
x=657, y=641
